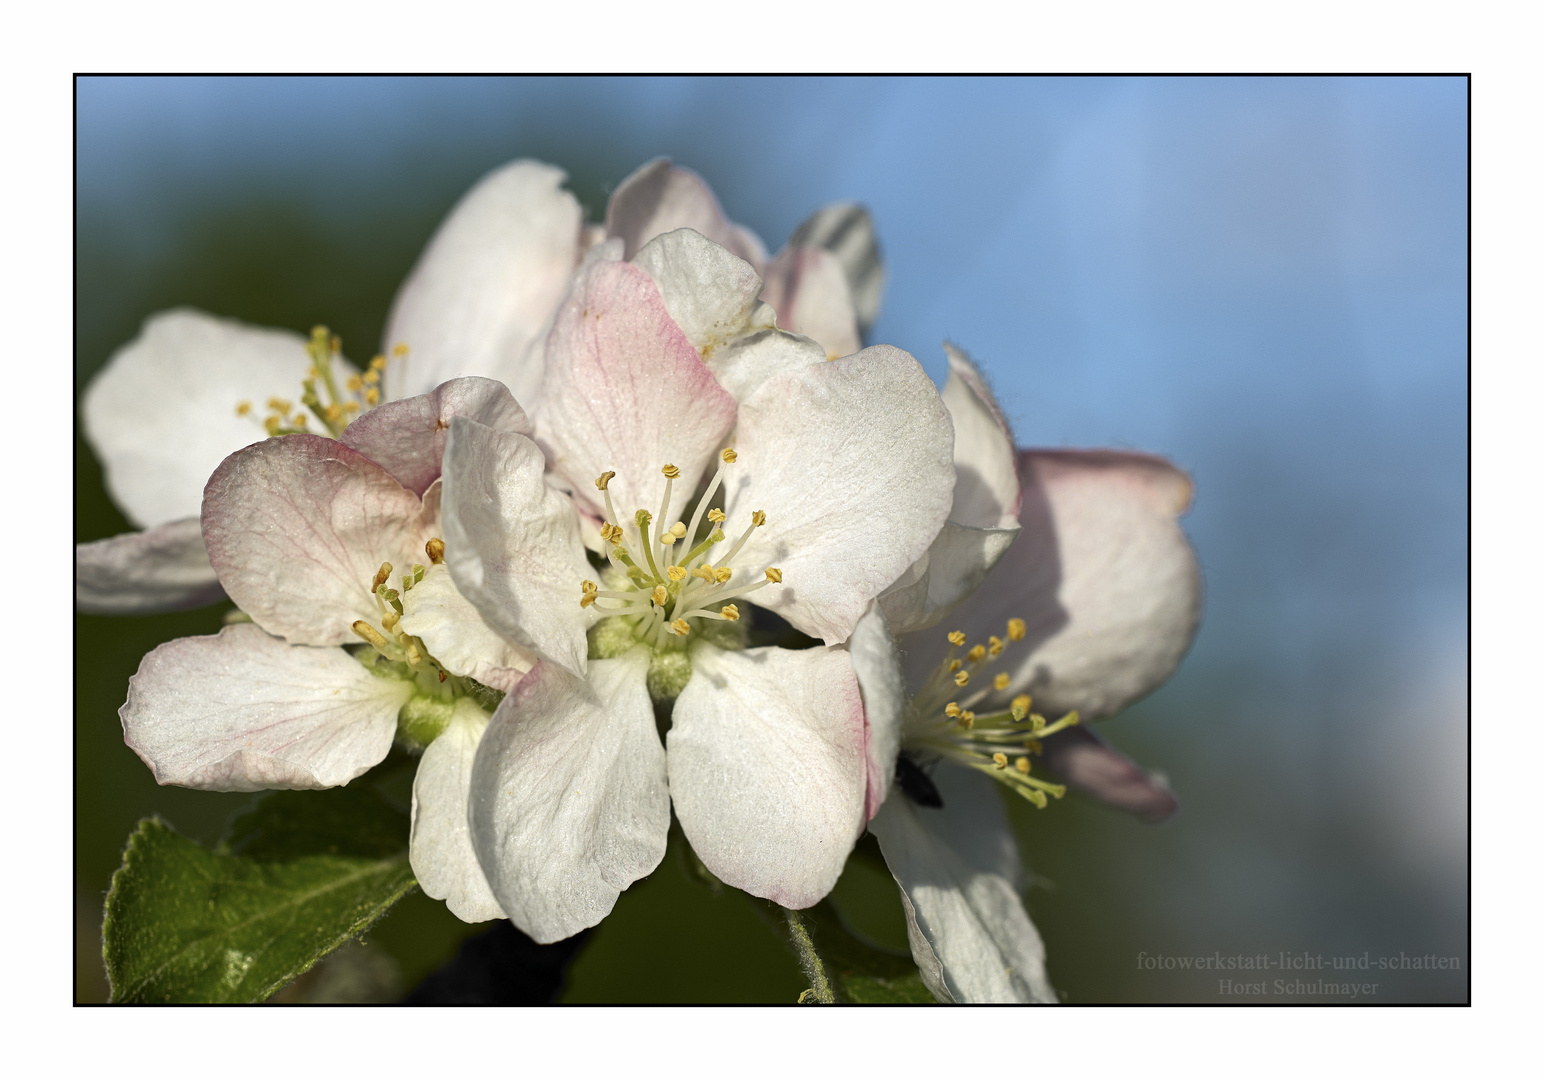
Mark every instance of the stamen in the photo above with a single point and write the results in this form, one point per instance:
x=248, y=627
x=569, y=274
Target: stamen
x=1000, y=760
x=976, y=653
x=380, y=576
x=715, y=515
x=435, y=549
x=994, y=645
x=243, y=408
x=952, y=709
x=587, y=593
x=1022, y=764
x=675, y=573
x=1000, y=681
x=774, y=575
x=680, y=628
x=758, y=518
x=369, y=633
x=671, y=472
x=962, y=678
x=722, y=574
x=1021, y=706
x=728, y=454
x=660, y=595
x=1016, y=629
x=704, y=572
x=605, y=478
x=730, y=612
x=956, y=638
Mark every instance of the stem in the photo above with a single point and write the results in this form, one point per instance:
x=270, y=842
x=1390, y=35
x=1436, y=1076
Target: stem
x=820, y=993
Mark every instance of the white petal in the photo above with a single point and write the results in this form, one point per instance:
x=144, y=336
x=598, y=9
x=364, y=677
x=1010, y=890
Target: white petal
x=298, y=526
x=710, y=292
x=569, y=800
x=407, y=437
x=160, y=569
x=766, y=752
x=952, y=569
x=242, y=711
x=745, y=363
x=958, y=870
x=456, y=634
x=627, y=393
x=512, y=542
x=1086, y=762
x=1103, y=576
x=877, y=664
x=440, y=851
x=845, y=230
x=986, y=486
x=851, y=460
x=808, y=288
x=162, y=414
x=660, y=198
x=487, y=284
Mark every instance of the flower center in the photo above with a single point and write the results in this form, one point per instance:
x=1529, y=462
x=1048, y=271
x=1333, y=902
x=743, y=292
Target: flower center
x=940, y=723
x=363, y=391
x=659, y=584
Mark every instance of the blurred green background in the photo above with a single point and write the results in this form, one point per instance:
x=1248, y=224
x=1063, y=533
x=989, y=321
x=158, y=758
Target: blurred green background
x=1263, y=279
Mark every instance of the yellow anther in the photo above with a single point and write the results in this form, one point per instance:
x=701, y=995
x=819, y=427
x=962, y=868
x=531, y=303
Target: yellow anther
x=728, y=455
x=588, y=586
x=399, y=351
x=279, y=405
x=962, y=678
x=587, y=599
x=642, y=517
x=994, y=645
x=369, y=633
x=715, y=515
x=604, y=478
x=967, y=717
x=678, y=529
x=271, y=425
x=1022, y=764
x=1016, y=629
x=355, y=383
x=409, y=646
x=1000, y=682
x=722, y=574
x=380, y=576
x=333, y=413
x=675, y=573
x=668, y=538
x=243, y=408
x=758, y=518
x=774, y=575
x=1033, y=746
x=660, y=595
x=435, y=549
x=1037, y=723
x=730, y=612
x=976, y=654
x=348, y=407
x=680, y=628
x=705, y=573
x=611, y=533
x=336, y=344
x=952, y=709
x=955, y=665
x=372, y=396
x=300, y=420
x=372, y=376
x=390, y=620
x=1000, y=759
x=956, y=638
x=377, y=363
x=671, y=472
x=1021, y=706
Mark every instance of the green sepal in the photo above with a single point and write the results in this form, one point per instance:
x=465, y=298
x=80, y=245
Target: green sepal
x=299, y=874
x=423, y=719
x=862, y=973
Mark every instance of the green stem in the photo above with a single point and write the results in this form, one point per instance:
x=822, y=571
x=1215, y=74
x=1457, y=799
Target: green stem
x=815, y=970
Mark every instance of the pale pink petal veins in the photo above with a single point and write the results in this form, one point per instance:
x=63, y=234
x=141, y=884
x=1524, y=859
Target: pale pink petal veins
x=660, y=197
x=627, y=393
x=242, y=711
x=1103, y=576
x=852, y=462
x=440, y=848
x=162, y=414
x=569, y=802
x=766, y=752
x=407, y=437
x=479, y=300
x=512, y=543
x=958, y=869
x=296, y=529
x=808, y=288
x=160, y=569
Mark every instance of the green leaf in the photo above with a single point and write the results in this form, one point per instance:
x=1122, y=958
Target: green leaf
x=298, y=875
x=862, y=972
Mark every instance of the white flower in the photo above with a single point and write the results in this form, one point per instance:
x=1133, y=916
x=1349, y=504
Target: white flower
x=1091, y=607
x=839, y=478
x=162, y=414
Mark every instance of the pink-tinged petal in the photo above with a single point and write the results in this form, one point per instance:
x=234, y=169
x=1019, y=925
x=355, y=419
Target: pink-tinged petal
x=660, y=197
x=627, y=393
x=852, y=462
x=951, y=570
x=710, y=292
x=569, y=800
x=512, y=542
x=440, y=850
x=986, y=487
x=298, y=526
x=1102, y=575
x=479, y=300
x=766, y=752
x=958, y=869
x=407, y=437
x=242, y=711
x=162, y=414
x=160, y=569
x=1088, y=763
x=808, y=288
x=457, y=635
x=845, y=230
x=877, y=664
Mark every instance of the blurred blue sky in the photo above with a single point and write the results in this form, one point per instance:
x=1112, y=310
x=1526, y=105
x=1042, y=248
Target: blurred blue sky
x=1262, y=279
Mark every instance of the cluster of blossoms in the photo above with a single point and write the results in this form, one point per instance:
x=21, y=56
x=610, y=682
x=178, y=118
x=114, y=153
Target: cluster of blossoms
x=534, y=533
